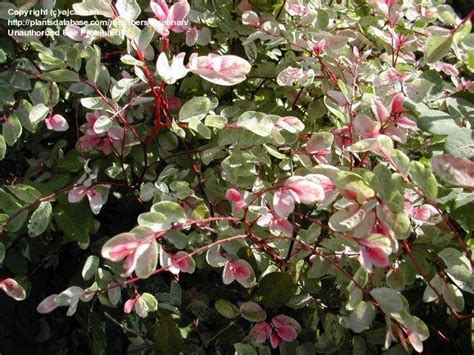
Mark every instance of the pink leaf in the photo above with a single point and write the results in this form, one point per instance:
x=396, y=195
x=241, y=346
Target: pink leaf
x=13, y=289
x=366, y=127
x=160, y=9
x=47, y=305
x=56, y=123
x=283, y=203
x=261, y=332
x=128, y=306
x=397, y=103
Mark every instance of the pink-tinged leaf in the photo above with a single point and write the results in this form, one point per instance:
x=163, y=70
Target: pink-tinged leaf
x=223, y=70
x=425, y=214
x=380, y=112
x=366, y=127
x=290, y=124
x=233, y=195
x=76, y=194
x=166, y=261
x=253, y=312
x=159, y=27
x=250, y=18
x=56, y=123
x=287, y=333
x=283, y=202
x=147, y=261
x=238, y=270
x=176, y=16
x=281, y=226
x=338, y=97
x=260, y=332
x=415, y=340
x=160, y=9
x=75, y=33
x=454, y=170
x=375, y=250
x=407, y=123
x=185, y=262
x=275, y=340
x=289, y=76
x=47, y=305
x=131, y=261
x=318, y=142
x=307, y=191
x=170, y=74
x=128, y=306
x=281, y=320
x=397, y=103
x=119, y=247
x=95, y=200
x=13, y=289
x=446, y=68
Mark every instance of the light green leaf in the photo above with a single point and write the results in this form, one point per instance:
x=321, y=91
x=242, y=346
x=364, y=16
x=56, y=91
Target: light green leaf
x=38, y=113
x=424, y=179
x=173, y=212
x=40, y=219
x=437, y=47
x=197, y=108
x=362, y=316
x=389, y=300
x=90, y=267
x=226, y=309
x=3, y=147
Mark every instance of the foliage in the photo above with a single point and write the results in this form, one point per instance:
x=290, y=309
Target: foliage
x=220, y=177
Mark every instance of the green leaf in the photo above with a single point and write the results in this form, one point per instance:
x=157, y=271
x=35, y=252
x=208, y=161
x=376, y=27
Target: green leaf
x=38, y=113
x=8, y=203
x=173, y=211
x=437, y=47
x=2, y=252
x=227, y=309
x=396, y=279
x=458, y=269
x=75, y=221
x=25, y=193
x=437, y=122
x=424, y=179
x=155, y=221
x=168, y=340
x=196, y=108
x=150, y=301
x=40, y=219
x=61, y=76
x=461, y=143
x=256, y=122
x=147, y=261
x=362, y=316
x=93, y=8
x=12, y=129
x=3, y=147
x=90, y=267
x=253, y=312
x=3, y=56
x=196, y=125
x=389, y=300
x=102, y=125
x=276, y=289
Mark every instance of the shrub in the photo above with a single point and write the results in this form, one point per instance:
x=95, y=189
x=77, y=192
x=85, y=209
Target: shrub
x=221, y=177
